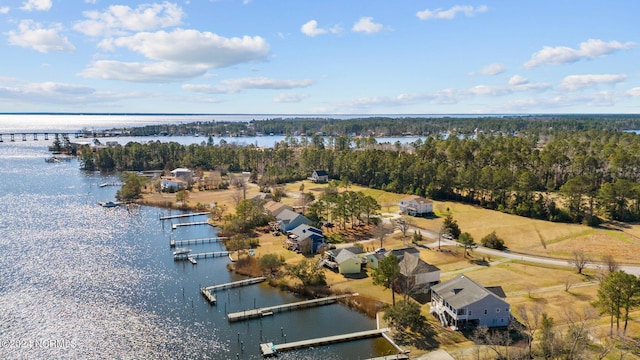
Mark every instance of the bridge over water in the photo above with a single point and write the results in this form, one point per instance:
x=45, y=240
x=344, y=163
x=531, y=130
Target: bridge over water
x=36, y=135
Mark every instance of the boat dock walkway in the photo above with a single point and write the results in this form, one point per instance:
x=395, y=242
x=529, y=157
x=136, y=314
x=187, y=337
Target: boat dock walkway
x=391, y=357
x=270, y=310
x=271, y=349
x=175, y=226
x=174, y=243
x=208, y=292
x=184, y=215
x=229, y=285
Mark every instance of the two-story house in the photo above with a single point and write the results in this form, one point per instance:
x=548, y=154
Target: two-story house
x=461, y=302
x=415, y=205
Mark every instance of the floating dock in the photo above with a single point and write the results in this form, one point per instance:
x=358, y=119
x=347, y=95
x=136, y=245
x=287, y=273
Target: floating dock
x=267, y=311
x=174, y=243
x=211, y=298
x=175, y=226
x=184, y=215
x=271, y=349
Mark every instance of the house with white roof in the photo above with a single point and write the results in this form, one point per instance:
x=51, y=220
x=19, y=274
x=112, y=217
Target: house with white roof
x=416, y=205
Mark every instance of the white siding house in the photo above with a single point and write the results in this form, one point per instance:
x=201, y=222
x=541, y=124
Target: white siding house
x=415, y=205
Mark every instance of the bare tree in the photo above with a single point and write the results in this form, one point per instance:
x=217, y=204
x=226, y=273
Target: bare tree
x=236, y=197
x=577, y=336
x=610, y=263
x=579, y=260
x=404, y=224
x=381, y=231
x=568, y=283
x=530, y=318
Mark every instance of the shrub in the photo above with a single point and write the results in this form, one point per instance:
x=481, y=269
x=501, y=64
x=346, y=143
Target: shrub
x=493, y=241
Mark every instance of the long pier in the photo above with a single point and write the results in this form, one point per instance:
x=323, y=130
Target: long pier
x=204, y=255
x=270, y=310
x=208, y=292
x=271, y=349
x=174, y=243
x=23, y=135
x=175, y=226
x=167, y=217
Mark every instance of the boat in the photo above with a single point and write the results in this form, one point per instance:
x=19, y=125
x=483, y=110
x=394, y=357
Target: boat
x=110, y=204
x=181, y=251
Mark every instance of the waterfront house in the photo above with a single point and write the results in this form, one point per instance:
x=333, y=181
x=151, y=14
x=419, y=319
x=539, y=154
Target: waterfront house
x=306, y=238
x=461, y=302
x=415, y=205
x=289, y=220
x=320, y=176
x=171, y=183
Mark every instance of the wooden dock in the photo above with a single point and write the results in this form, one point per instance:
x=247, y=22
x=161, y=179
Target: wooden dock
x=271, y=349
x=229, y=285
x=175, y=226
x=391, y=357
x=174, y=243
x=184, y=215
x=270, y=310
x=208, y=295
x=204, y=255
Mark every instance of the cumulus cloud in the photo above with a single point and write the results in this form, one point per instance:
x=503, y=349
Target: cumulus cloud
x=590, y=49
x=4, y=10
x=367, y=26
x=121, y=19
x=32, y=35
x=451, y=13
x=143, y=72
x=289, y=98
x=36, y=5
x=577, y=82
x=492, y=69
x=230, y=86
x=195, y=47
x=517, y=80
x=310, y=28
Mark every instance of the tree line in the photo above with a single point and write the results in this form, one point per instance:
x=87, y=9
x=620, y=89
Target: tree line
x=595, y=172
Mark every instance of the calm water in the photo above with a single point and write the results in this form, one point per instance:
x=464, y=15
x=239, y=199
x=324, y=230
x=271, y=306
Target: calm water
x=82, y=281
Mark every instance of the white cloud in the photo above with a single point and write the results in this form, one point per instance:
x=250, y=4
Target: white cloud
x=143, y=72
x=492, y=69
x=590, y=49
x=576, y=82
x=120, y=19
x=517, y=80
x=36, y=5
x=230, y=86
x=451, y=13
x=634, y=92
x=310, y=28
x=4, y=10
x=289, y=98
x=367, y=26
x=32, y=35
x=195, y=47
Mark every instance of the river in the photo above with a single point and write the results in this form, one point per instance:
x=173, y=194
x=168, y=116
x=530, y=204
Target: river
x=83, y=281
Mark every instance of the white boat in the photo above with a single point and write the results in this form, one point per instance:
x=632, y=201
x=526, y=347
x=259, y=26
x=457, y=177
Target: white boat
x=181, y=251
x=110, y=204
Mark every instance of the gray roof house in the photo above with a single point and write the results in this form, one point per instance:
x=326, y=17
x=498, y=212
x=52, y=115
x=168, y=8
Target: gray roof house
x=320, y=176
x=419, y=275
x=289, y=220
x=461, y=302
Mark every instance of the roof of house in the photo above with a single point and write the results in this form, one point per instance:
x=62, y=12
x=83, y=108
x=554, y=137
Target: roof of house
x=416, y=198
x=345, y=255
x=320, y=173
x=275, y=207
x=462, y=291
x=173, y=179
x=411, y=264
x=304, y=231
x=287, y=215
x=399, y=253
x=181, y=170
x=352, y=249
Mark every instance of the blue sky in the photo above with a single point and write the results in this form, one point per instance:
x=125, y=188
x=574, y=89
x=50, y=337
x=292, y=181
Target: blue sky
x=320, y=57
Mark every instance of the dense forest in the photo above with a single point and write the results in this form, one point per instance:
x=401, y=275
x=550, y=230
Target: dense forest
x=388, y=126
x=569, y=170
